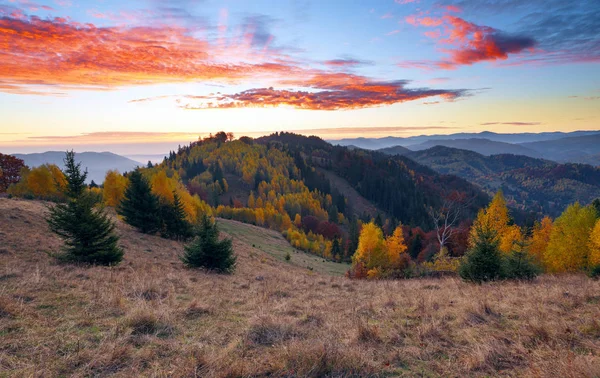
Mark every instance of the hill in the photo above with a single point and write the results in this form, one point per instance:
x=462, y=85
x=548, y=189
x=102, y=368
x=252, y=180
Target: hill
x=479, y=145
x=534, y=184
x=577, y=149
x=97, y=163
x=150, y=316
x=378, y=143
x=395, y=150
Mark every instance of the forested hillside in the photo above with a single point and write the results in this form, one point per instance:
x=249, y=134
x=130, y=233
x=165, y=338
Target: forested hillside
x=533, y=184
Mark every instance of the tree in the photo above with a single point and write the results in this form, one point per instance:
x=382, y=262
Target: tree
x=567, y=249
x=115, y=185
x=175, y=224
x=371, y=250
x=596, y=205
x=495, y=217
x=88, y=233
x=10, y=171
x=540, y=238
x=206, y=251
x=446, y=217
x=336, y=250
x=594, y=246
x=483, y=262
x=140, y=207
x=396, y=249
x=520, y=264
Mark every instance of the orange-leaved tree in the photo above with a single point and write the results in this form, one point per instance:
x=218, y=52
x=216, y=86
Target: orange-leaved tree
x=540, y=237
x=594, y=245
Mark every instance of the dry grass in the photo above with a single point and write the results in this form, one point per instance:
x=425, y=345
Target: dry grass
x=151, y=317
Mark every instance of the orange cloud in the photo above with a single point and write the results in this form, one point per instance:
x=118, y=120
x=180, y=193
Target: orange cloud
x=324, y=92
x=471, y=43
x=60, y=52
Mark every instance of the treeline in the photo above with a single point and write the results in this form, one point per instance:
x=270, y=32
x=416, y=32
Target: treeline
x=497, y=247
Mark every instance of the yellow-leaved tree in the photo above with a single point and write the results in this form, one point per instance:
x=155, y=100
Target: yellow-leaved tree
x=396, y=249
x=540, y=237
x=568, y=248
x=495, y=217
x=115, y=185
x=370, y=253
x=594, y=245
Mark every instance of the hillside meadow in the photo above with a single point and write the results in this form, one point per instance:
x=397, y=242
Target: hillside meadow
x=151, y=317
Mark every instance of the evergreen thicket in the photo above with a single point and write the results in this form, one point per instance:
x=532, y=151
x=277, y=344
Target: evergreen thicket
x=175, y=226
x=88, y=232
x=207, y=251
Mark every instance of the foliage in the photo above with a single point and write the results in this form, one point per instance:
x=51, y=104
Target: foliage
x=88, y=233
x=567, y=249
x=45, y=182
x=114, y=187
x=495, y=217
x=206, y=251
x=594, y=246
x=483, y=262
x=139, y=207
x=443, y=263
x=10, y=171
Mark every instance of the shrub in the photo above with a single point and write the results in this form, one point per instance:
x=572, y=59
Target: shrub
x=594, y=272
x=519, y=264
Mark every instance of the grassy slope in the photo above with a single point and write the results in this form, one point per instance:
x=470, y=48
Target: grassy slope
x=151, y=317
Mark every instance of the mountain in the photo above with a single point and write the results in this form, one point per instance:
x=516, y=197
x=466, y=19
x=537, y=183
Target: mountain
x=145, y=158
x=379, y=143
x=97, y=163
x=528, y=183
x=482, y=146
x=577, y=149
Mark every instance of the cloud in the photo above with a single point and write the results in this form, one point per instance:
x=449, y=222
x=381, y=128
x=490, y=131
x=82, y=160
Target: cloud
x=393, y=32
x=346, y=62
x=337, y=91
x=511, y=123
x=59, y=52
x=466, y=43
x=387, y=15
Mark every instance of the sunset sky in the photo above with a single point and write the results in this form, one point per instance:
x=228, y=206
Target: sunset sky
x=140, y=76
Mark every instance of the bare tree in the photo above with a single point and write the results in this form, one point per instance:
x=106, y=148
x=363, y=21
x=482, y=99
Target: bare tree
x=447, y=216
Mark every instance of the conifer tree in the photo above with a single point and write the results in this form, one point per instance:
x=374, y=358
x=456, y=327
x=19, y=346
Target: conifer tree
x=207, y=251
x=175, y=224
x=483, y=261
x=88, y=233
x=336, y=249
x=519, y=264
x=139, y=207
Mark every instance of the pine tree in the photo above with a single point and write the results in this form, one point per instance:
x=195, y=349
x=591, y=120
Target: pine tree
x=519, y=264
x=483, y=261
x=88, y=233
x=175, y=224
x=336, y=249
x=139, y=207
x=207, y=251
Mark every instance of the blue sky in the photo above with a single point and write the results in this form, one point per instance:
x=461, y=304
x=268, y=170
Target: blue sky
x=135, y=75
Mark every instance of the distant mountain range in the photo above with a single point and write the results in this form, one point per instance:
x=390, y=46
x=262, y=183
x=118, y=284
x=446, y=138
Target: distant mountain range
x=97, y=163
x=529, y=183
x=574, y=147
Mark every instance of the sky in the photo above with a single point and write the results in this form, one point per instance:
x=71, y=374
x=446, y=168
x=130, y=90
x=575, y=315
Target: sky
x=141, y=76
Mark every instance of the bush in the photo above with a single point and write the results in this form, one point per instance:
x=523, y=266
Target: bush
x=207, y=251
x=483, y=261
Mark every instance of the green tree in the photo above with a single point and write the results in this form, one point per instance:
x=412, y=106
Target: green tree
x=483, y=262
x=88, y=233
x=175, y=224
x=139, y=207
x=519, y=264
x=207, y=251
x=336, y=249
x=596, y=205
